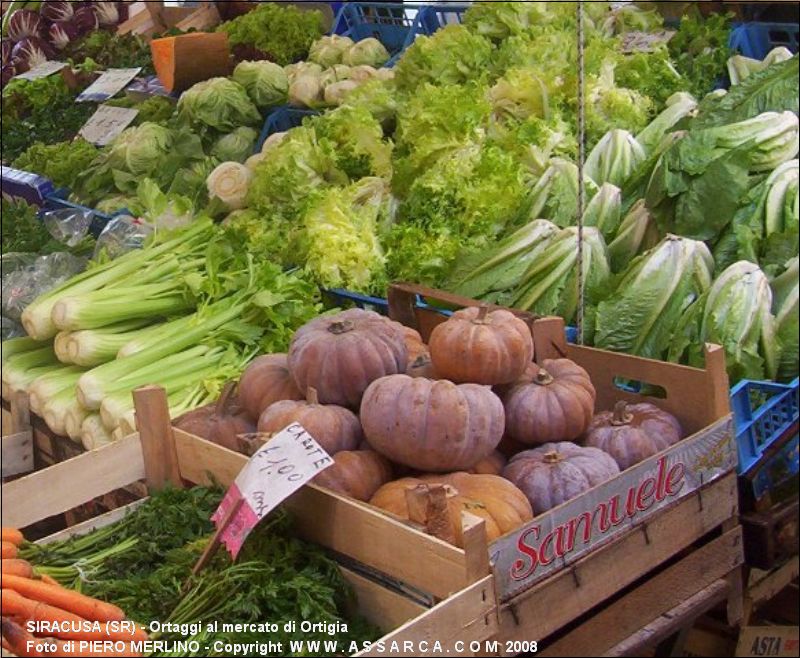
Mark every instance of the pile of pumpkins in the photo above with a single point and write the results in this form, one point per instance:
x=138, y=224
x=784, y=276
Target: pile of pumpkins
x=386, y=406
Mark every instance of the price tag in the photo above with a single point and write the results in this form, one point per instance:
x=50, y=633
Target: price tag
x=42, y=71
x=107, y=123
x=278, y=469
x=645, y=42
x=108, y=85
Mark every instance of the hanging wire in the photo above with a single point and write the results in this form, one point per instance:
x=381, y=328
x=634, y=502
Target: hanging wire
x=581, y=157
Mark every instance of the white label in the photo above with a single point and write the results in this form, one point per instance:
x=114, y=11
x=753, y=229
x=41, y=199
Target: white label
x=42, y=71
x=645, y=42
x=105, y=125
x=109, y=84
x=280, y=467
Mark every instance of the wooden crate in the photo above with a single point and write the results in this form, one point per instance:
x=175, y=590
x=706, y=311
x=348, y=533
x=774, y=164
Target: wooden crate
x=17, y=438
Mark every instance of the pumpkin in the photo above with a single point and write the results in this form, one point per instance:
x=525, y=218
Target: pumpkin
x=340, y=355
x=633, y=432
x=502, y=506
x=555, y=404
x=508, y=447
x=475, y=345
x=267, y=380
x=356, y=473
x=221, y=422
x=422, y=367
x=431, y=425
x=414, y=344
x=491, y=465
x=334, y=428
x=556, y=472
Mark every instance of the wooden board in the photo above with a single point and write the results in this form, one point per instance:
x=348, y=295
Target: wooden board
x=644, y=604
x=17, y=454
x=768, y=641
x=569, y=593
x=71, y=483
x=326, y=518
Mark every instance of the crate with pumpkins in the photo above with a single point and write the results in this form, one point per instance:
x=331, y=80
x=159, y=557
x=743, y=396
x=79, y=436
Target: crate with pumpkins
x=439, y=420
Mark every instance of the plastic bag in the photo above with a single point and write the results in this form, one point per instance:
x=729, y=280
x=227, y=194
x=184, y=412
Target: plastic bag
x=68, y=225
x=10, y=328
x=26, y=282
x=121, y=235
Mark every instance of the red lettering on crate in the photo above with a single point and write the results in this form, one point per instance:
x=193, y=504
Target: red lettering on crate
x=586, y=526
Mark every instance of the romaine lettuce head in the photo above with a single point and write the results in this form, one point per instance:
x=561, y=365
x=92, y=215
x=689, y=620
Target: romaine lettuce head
x=785, y=293
x=641, y=315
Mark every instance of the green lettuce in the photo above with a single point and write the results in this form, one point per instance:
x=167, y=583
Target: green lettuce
x=220, y=104
x=555, y=195
x=266, y=82
x=614, y=158
x=787, y=318
x=236, y=146
x=650, y=297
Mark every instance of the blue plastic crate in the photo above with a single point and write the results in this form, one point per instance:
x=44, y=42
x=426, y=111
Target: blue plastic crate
x=763, y=412
x=280, y=120
x=435, y=16
x=393, y=24
x=756, y=39
x=58, y=201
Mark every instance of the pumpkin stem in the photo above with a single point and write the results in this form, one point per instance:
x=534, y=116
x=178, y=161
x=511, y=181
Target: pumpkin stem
x=422, y=360
x=483, y=311
x=311, y=395
x=224, y=399
x=621, y=415
x=341, y=327
x=552, y=457
x=543, y=377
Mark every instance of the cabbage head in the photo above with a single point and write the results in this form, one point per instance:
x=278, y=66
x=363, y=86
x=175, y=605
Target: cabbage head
x=367, y=51
x=142, y=149
x=218, y=103
x=236, y=146
x=327, y=51
x=266, y=83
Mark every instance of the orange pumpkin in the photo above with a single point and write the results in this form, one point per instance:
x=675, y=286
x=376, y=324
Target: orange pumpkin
x=482, y=347
x=340, y=355
x=356, y=473
x=414, y=344
x=432, y=426
x=422, y=367
x=633, y=432
x=334, y=428
x=555, y=404
x=266, y=380
x=491, y=465
x=494, y=499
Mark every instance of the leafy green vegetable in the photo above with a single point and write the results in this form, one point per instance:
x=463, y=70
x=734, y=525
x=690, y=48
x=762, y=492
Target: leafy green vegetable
x=111, y=50
x=700, y=50
x=236, y=146
x=452, y=56
x=652, y=74
x=734, y=313
x=266, y=83
x=650, y=297
x=772, y=90
x=61, y=162
x=555, y=195
x=40, y=111
x=218, y=103
x=155, y=109
x=280, y=33
x=785, y=290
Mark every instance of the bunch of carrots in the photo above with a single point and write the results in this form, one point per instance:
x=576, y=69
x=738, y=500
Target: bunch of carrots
x=28, y=596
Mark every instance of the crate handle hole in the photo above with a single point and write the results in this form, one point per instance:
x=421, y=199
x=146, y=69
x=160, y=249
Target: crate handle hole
x=639, y=387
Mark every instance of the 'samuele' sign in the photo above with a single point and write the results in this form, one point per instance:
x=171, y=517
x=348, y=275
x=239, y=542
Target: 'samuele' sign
x=565, y=534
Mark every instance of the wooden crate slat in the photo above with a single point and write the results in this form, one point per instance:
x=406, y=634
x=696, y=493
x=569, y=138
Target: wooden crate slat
x=17, y=453
x=659, y=594
x=573, y=591
x=381, y=606
x=467, y=616
x=64, y=486
x=342, y=524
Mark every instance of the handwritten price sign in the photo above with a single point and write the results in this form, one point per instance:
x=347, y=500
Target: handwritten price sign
x=109, y=84
x=278, y=469
x=105, y=125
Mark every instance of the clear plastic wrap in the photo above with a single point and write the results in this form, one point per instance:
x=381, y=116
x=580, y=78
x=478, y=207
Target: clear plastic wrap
x=68, y=225
x=121, y=235
x=26, y=276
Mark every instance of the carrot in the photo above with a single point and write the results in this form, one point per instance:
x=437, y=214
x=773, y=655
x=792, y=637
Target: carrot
x=60, y=597
x=47, y=579
x=16, y=567
x=9, y=550
x=18, y=638
x=72, y=648
x=15, y=604
x=11, y=535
